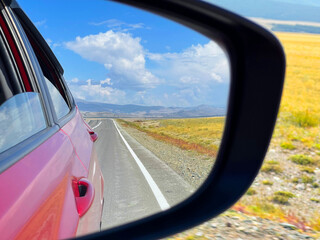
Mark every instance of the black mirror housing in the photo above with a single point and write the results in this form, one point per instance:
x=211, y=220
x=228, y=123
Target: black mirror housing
x=257, y=65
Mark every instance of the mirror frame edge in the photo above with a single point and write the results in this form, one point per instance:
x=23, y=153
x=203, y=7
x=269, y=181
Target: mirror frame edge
x=257, y=75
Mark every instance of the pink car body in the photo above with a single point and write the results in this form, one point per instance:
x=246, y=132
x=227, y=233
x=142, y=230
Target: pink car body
x=39, y=192
x=50, y=188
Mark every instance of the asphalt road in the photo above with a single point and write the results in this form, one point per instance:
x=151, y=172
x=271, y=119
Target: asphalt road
x=137, y=183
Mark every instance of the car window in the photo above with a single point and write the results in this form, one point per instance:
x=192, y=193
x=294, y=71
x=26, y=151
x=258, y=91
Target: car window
x=60, y=106
x=21, y=116
x=21, y=111
x=53, y=82
x=56, y=88
x=6, y=90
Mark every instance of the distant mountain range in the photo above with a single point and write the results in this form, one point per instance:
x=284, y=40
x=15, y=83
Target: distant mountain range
x=284, y=10
x=96, y=109
x=292, y=10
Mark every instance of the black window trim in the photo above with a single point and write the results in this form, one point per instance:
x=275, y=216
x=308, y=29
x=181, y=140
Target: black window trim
x=11, y=67
x=23, y=18
x=7, y=51
x=20, y=46
x=33, y=72
x=27, y=25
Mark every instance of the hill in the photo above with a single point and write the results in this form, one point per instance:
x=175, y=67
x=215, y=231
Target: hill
x=273, y=9
x=95, y=109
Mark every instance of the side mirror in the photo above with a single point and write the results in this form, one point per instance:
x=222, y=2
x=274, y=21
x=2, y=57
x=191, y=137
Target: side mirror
x=257, y=73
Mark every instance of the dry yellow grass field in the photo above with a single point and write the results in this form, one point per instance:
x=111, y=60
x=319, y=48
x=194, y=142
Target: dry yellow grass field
x=298, y=121
x=199, y=134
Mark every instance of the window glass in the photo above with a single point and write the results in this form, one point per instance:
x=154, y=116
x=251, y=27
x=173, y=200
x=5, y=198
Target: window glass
x=57, y=94
x=53, y=80
x=21, y=116
x=57, y=90
x=60, y=106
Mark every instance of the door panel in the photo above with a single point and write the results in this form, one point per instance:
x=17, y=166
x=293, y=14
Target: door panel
x=90, y=222
x=80, y=137
x=78, y=132
x=37, y=197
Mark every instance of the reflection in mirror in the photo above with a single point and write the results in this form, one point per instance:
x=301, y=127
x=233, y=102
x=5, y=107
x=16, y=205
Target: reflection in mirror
x=155, y=92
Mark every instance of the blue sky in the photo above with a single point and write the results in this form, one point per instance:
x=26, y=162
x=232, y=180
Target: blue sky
x=117, y=54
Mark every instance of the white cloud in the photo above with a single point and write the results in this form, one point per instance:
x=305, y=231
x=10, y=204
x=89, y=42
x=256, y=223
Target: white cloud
x=199, y=64
x=121, y=54
x=49, y=41
x=98, y=92
x=118, y=25
x=196, y=75
x=75, y=80
x=56, y=45
x=40, y=23
x=51, y=44
x=106, y=81
x=89, y=91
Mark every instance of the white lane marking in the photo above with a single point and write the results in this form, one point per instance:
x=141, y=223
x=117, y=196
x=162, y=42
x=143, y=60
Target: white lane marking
x=154, y=187
x=96, y=125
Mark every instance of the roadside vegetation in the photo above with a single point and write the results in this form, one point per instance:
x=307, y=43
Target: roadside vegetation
x=298, y=121
x=202, y=135
x=271, y=166
x=293, y=157
x=287, y=188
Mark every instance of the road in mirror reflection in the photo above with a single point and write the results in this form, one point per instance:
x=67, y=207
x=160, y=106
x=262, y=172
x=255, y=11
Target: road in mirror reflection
x=155, y=92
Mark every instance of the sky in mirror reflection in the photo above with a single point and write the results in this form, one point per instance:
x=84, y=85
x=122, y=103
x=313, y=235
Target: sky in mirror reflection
x=137, y=58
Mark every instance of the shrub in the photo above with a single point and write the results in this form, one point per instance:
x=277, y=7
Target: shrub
x=191, y=237
x=271, y=166
x=301, y=159
x=295, y=180
x=307, y=169
x=261, y=207
x=285, y=194
x=315, y=185
x=315, y=222
x=251, y=192
x=315, y=200
x=304, y=119
x=317, y=146
x=287, y=145
x=272, y=162
x=307, y=179
x=267, y=182
x=282, y=197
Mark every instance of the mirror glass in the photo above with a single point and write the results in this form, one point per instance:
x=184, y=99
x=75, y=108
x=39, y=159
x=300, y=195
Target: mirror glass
x=154, y=91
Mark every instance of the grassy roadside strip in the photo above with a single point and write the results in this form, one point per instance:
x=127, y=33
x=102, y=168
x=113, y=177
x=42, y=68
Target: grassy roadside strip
x=266, y=210
x=299, y=117
x=171, y=140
